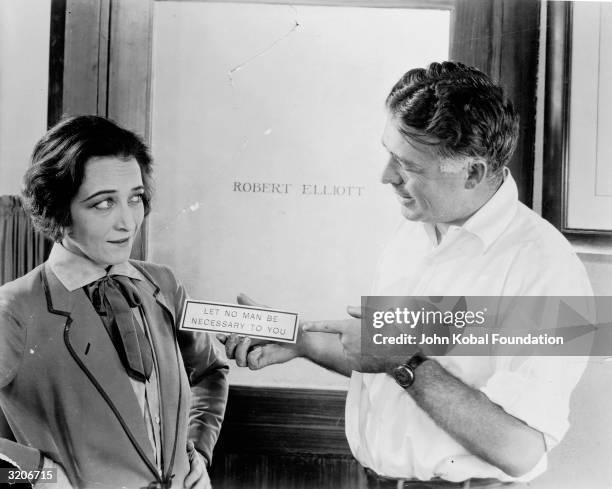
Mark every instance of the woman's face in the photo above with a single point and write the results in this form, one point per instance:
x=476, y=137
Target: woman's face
x=107, y=211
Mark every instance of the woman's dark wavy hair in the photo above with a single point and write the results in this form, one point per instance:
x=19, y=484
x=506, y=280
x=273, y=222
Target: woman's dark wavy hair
x=461, y=108
x=58, y=167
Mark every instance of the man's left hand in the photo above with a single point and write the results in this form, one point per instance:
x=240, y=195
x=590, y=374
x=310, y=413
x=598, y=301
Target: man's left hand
x=197, y=478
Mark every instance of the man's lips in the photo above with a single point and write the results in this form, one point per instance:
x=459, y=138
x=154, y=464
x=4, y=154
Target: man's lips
x=402, y=197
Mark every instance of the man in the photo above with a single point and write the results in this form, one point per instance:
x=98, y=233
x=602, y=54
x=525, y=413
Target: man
x=450, y=134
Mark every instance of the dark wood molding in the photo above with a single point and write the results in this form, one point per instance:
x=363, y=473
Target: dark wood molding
x=241, y=471
x=555, y=163
x=56, y=62
x=268, y=420
x=501, y=37
x=419, y=4
x=277, y=438
x=127, y=86
x=107, y=61
x=78, y=62
x=556, y=111
x=103, y=56
x=80, y=83
x=100, y=64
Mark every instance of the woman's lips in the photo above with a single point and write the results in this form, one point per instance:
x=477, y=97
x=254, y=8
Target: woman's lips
x=119, y=241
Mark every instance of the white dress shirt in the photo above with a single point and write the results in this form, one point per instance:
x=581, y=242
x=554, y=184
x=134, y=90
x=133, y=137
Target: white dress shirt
x=504, y=249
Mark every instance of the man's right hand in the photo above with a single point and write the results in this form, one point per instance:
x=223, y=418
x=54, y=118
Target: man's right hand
x=255, y=353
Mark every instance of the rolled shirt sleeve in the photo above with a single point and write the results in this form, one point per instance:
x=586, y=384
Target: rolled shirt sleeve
x=537, y=391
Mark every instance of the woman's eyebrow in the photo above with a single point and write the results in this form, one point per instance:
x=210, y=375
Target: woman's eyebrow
x=100, y=192
x=104, y=192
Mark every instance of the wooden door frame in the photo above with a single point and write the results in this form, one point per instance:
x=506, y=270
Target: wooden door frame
x=101, y=52
x=101, y=58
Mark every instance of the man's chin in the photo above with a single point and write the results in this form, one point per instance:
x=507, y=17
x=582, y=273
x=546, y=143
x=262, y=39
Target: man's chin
x=412, y=214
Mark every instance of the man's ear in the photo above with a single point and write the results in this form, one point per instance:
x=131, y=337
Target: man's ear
x=476, y=172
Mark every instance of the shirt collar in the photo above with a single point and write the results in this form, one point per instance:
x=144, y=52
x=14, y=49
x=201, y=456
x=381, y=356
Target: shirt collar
x=492, y=218
x=75, y=271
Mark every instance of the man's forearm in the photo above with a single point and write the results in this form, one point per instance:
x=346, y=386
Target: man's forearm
x=478, y=424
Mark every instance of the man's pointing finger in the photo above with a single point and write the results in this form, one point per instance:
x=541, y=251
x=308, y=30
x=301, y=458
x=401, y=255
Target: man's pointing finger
x=324, y=326
x=354, y=311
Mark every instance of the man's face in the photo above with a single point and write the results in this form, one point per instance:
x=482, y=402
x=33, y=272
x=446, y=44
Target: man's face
x=429, y=188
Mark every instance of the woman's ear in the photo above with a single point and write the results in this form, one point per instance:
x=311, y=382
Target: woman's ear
x=65, y=231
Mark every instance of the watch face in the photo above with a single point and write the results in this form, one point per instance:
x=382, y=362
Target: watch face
x=403, y=376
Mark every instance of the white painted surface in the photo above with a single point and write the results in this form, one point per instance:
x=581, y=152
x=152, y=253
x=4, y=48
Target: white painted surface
x=288, y=95
x=24, y=75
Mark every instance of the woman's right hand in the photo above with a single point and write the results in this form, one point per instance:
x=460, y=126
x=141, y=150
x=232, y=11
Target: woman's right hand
x=253, y=352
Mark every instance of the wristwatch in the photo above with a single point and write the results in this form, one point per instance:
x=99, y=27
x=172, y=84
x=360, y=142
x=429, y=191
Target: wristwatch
x=404, y=373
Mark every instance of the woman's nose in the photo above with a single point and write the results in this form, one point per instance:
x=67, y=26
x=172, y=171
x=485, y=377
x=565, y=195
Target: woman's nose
x=126, y=220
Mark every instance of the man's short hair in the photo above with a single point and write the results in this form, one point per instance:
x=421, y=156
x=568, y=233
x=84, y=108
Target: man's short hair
x=58, y=167
x=461, y=109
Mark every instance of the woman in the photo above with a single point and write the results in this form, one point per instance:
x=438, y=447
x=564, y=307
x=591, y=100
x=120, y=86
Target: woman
x=95, y=377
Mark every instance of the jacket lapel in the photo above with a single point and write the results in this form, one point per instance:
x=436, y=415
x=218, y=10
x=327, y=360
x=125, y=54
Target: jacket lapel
x=89, y=344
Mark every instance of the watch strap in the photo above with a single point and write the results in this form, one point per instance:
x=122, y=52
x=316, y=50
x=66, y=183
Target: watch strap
x=415, y=360
x=404, y=373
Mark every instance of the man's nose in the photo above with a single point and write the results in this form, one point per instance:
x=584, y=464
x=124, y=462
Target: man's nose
x=390, y=173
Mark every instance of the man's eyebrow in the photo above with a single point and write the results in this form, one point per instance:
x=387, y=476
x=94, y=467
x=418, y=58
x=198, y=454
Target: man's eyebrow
x=400, y=159
x=404, y=161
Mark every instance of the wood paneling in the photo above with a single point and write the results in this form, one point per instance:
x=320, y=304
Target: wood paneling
x=287, y=472
x=501, y=37
x=556, y=109
x=284, y=438
x=100, y=64
x=81, y=57
x=129, y=67
x=284, y=421
x=128, y=83
x=56, y=62
x=556, y=127
x=424, y=4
